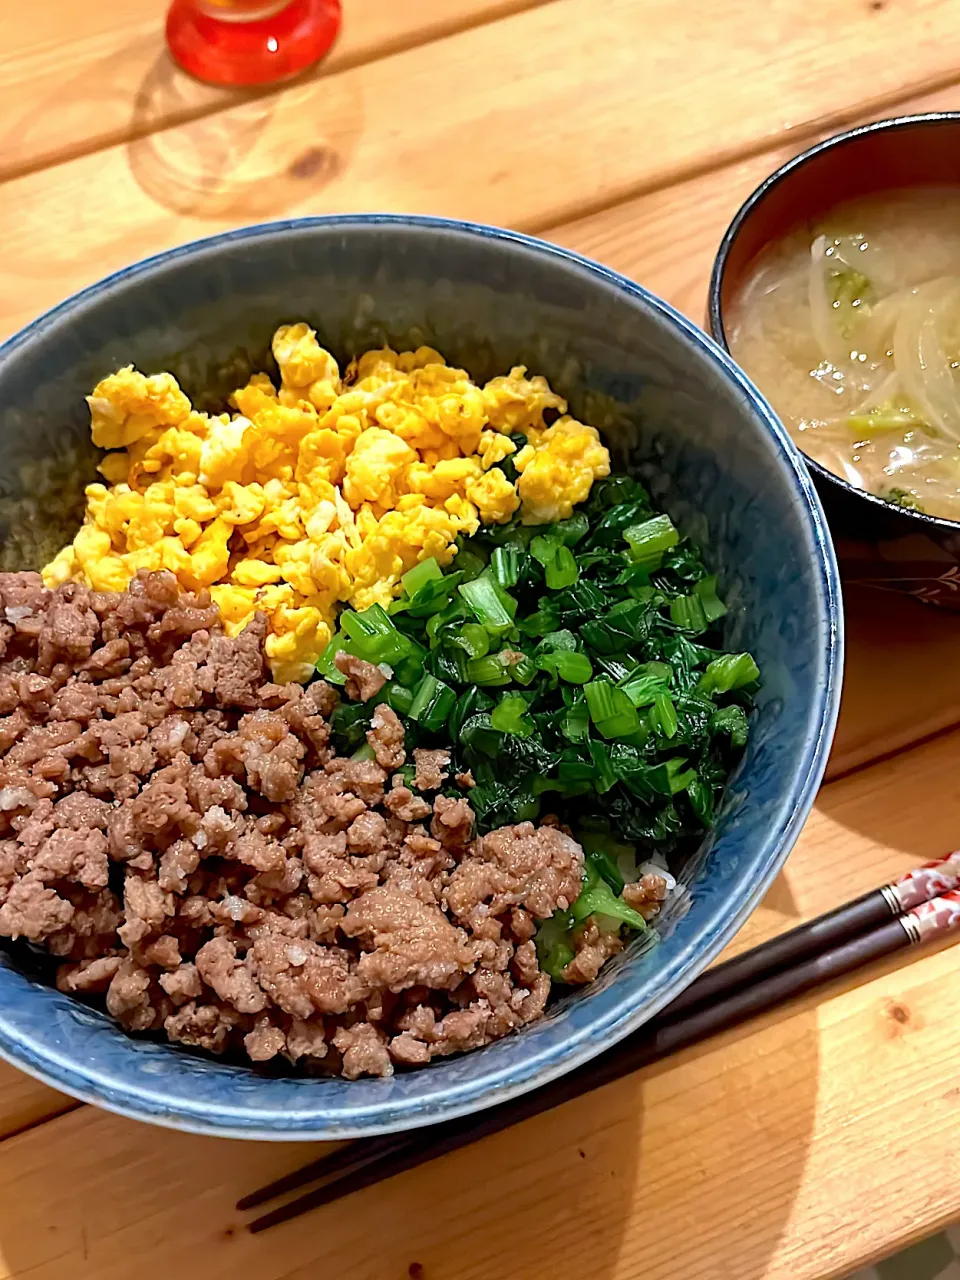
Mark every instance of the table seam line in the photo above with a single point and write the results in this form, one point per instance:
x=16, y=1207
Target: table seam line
x=804, y=133
x=401, y=45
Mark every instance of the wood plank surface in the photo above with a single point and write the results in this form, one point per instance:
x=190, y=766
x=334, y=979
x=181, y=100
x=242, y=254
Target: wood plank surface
x=667, y=240
x=799, y=1147
x=636, y=1180
x=457, y=127
x=74, y=78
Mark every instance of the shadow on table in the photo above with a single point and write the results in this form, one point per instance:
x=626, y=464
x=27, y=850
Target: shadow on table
x=690, y=1169
x=908, y=802
x=192, y=150
x=262, y=157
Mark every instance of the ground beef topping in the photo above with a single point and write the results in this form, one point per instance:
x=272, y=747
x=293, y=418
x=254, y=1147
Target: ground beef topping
x=179, y=832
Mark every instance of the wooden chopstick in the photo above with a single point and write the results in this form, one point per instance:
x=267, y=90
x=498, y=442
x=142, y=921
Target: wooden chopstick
x=831, y=930
x=806, y=957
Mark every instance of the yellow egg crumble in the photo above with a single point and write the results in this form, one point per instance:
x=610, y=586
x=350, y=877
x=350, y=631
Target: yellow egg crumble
x=322, y=491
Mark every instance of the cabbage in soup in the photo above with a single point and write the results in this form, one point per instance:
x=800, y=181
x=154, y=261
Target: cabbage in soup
x=851, y=328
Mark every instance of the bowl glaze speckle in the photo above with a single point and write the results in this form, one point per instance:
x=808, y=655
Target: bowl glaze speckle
x=674, y=408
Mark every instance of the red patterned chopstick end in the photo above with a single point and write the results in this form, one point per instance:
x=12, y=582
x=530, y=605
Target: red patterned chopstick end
x=938, y=916
x=926, y=882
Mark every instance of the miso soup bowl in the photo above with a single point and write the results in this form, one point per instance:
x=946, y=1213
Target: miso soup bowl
x=909, y=151
x=674, y=408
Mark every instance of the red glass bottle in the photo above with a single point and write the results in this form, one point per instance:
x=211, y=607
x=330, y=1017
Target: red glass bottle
x=250, y=42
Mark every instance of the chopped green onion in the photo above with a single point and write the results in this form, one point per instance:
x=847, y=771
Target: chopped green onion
x=510, y=716
x=701, y=800
x=554, y=944
x=610, y=709
x=562, y=570
x=488, y=671
x=575, y=725
x=554, y=641
x=454, y=612
x=471, y=702
x=398, y=697
x=642, y=690
x=575, y=668
x=617, y=852
x=365, y=752
x=491, y=605
x=605, y=865
x=326, y=664
x=522, y=668
x=585, y=715
x=505, y=566
x=571, y=531
x=544, y=550
x=713, y=606
x=688, y=612
x=430, y=599
x=650, y=540
x=409, y=671
x=469, y=564
x=417, y=577
x=597, y=898
x=349, y=724
x=374, y=637
x=478, y=734
x=604, y=778
x=676, y=776
x=663, y=715
x=371, y=624
x=540, y=622
x=432, y=703
x=448, y=662
x=731, y=671
x=572, y=774
x=473, y=639
x=623, y=725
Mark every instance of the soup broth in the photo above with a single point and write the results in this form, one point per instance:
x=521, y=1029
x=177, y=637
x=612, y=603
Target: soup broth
x=851, y=328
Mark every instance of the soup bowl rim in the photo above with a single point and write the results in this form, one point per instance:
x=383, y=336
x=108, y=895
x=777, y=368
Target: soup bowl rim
x=938, y=527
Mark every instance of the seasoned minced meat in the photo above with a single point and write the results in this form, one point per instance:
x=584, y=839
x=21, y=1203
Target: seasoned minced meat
x=178, y=832
x=364, y=680
x=646, y=895
x=538, y=868
x=431, y=768
x=593, y=948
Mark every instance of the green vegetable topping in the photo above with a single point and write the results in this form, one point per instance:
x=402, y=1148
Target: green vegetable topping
x=574, y=669
x=901, y=498
x=510, y=716
x=598, y=899
x=648, y=541
x=493, y=607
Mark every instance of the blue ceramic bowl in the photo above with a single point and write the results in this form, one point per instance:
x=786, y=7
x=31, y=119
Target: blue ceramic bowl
x=674, y=408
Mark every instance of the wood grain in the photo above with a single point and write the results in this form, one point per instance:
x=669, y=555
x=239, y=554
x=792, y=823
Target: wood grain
x=25, y=1102
x=74, y=78
x=667, y=241
x=901, y=679
x=633, y=1181
x=771, y=1153
x=459, y=126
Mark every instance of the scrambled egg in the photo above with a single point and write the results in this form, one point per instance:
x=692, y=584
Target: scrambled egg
x=322, y=491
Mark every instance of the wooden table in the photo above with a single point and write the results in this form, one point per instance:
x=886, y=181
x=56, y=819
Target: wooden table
x=801, y=1146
